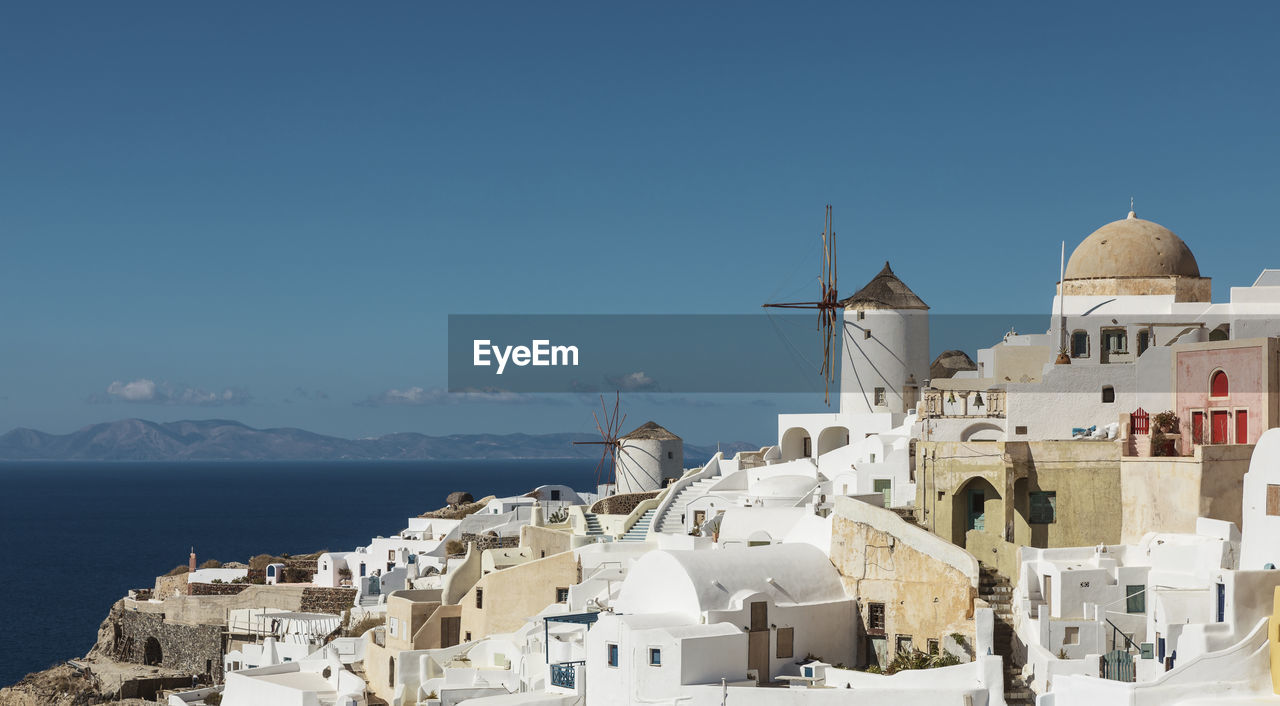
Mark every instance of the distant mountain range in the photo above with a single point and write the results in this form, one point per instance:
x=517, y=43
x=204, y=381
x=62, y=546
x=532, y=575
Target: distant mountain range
x=220, y=439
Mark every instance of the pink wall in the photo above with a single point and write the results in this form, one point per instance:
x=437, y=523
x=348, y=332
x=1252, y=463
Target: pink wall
x=1246, y=368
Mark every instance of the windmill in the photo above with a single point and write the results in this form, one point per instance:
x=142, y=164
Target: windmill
x=828, y=305
x=609, y=437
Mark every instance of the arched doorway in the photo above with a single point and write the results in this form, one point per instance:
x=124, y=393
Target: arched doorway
x=832, y=438
x=796, y=444
x=983, y=431
x=152, y=656
x=976, y=505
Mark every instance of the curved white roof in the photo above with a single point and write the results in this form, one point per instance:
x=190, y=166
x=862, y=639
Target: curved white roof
x=691, y=582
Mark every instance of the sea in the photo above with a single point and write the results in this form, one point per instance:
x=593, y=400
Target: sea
x=75, y=537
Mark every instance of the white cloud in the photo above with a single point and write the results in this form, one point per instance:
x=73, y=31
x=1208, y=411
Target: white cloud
x=147, y=391
x=415, y=396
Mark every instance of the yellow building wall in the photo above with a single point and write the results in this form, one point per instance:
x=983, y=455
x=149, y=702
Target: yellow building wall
x=1167, y=494
x=924, y=596
x=1084, y=475
x=511, y=596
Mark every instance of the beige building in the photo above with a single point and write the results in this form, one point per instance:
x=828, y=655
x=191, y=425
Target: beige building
x=914, y=589
x=991, y=497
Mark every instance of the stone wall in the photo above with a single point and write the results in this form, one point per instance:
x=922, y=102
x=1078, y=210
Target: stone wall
x=170, y=586
x=215, y=589
x=320, y=599
x=145, y=638
x=488, y=541
x=621, y=504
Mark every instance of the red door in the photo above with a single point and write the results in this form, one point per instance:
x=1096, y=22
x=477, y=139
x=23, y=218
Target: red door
x=1197, y=427
x=1242, y=427
x=1220, y=419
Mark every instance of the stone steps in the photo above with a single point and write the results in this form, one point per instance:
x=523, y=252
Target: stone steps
x=640, y=530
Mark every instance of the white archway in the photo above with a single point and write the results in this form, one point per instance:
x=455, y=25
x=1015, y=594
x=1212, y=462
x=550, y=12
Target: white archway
x=832, y=438
x=796, y=443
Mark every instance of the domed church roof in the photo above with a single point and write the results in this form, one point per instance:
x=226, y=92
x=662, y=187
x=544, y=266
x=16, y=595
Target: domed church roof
x=1131, y=247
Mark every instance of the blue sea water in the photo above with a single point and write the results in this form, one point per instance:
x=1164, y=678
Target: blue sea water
x=75, y=537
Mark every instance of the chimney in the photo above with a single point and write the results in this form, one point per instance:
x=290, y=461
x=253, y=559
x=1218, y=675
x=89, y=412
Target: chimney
x=191, y=561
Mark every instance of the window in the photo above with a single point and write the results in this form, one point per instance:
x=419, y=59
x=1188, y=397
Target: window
x=671, y=454
x=467, y=638
x=1144, y=341
x=479, y=597
x=655, y=657
x=786, y=642
x=911, y=460
x=555, y=495
x=1273, y=499
x=391, y=555
x=391, y=626
x=866, y=333
x=1071, y=636
x=880, y=397
x=1044, y=507
x=902, y=645
x=1020, y=430
x=612, y=649
x=933, y=646
x=1135, y=599
x=1108, y=394
x=861, y=315
x=562, y=595
x=1219, y=385
x=1242, y=426
x=1079, y=344
x=1116, y=340
x=362, y=568
x=875, y=618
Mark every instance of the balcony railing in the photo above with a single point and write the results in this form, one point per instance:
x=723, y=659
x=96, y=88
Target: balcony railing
x=563, y=674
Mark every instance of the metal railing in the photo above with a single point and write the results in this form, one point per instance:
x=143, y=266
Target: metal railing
x=564, y=674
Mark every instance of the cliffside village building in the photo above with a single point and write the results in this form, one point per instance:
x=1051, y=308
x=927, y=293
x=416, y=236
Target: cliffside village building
x=1085, y=515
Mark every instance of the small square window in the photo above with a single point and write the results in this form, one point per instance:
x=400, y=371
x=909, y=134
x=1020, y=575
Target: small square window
x=671, y=454
x=866, y=333
x=861, y=315
x=1071, y=636
x=1044, y=507
x=875, y=617
x=881, y=398
x=1020, y=430
x=655, y=657
x=479, y=598
x=933, y=646
x=902, y=644
x=612, y=654
x=467, y=637
x=562, y=595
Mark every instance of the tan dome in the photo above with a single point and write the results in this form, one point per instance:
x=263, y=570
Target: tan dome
x=1132, y=247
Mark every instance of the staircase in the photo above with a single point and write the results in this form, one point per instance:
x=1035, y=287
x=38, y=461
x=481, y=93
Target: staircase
x=995, y=590
x=370, y=601
x=673, y=521
x=593, y=524
x=640, y=530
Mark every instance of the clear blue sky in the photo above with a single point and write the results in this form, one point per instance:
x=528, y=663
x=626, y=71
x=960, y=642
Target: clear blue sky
x=268, y=209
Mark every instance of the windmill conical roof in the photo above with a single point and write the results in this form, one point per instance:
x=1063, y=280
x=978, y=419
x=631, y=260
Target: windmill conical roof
x=650, y=430
x=884, y=291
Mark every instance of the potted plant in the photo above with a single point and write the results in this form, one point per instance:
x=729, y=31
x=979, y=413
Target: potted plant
x=1164, y=434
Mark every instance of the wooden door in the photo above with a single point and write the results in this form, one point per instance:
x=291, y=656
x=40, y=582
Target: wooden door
x=1242, y=427
x=759, y=615
x=758, y=654
x=1197, y=427
x=699, y=516
x=450, y=629
x=878, y=651
x=884, y=486
x=1220, y=421
x=977, y=510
